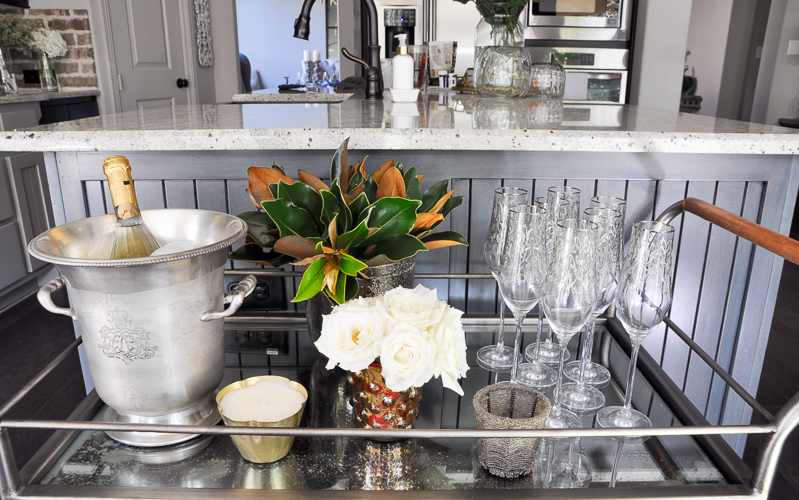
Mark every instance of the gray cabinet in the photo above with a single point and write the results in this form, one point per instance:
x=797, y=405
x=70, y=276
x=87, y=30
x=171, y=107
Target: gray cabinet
x=25, y=208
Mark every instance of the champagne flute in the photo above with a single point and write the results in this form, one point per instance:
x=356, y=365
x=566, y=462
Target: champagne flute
x=523, y=270
x=567, y=200
x=595, y=374
x=642, y=301
x=499, y=358
x=579, y=396
x=573, y=468
x=570, y=297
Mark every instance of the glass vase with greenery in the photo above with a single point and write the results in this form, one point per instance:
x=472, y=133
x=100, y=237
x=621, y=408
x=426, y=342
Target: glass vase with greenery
x=14, y=34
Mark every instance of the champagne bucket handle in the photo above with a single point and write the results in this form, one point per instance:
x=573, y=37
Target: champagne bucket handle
x=46, y=300
x=243, y=289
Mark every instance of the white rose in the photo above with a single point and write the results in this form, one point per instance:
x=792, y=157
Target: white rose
x=358, y=305
x=449, y=340
x=351, y=336
x=407, y=358
x=419, y=307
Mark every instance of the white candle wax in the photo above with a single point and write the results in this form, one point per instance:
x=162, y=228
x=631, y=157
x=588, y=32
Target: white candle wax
x=317, y=56
x=306, y=55
x=266, y=401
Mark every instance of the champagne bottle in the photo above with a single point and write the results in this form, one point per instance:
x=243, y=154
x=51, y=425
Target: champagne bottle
x=132, y=238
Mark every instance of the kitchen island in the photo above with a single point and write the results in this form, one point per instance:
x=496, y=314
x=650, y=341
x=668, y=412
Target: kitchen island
x=197, y=156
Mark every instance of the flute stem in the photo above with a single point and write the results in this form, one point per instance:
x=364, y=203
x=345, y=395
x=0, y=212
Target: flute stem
x=501, y=341
x=517, y=347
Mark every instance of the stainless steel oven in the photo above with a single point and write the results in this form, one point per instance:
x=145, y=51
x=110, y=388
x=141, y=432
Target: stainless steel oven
x=578, y=20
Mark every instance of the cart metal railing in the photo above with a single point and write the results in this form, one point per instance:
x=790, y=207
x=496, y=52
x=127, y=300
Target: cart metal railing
x=757, y=486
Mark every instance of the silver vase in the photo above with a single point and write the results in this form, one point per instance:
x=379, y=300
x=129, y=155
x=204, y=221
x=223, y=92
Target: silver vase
x=383, y=278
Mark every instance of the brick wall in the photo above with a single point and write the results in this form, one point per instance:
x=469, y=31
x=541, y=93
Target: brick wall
x=76, y=69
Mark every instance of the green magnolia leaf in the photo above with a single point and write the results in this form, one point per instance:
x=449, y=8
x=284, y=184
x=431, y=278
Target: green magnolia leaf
x=449, y=205
x=339, y=161
x=392, y=216
x=352, y=288
x=400, y=167
x=370, y=189
x=344, y=221
x=444, y=239
x=259, y=225
x=273, y=189
x=354, y=237
x=341, y=287
x=290, y=218
x=253, y=252
x=304, y=196
x=413, y=188
x=356, y=177
x=432, y=195
x=399, y=247
x=312, y=280
x=357, y=206
x=275, y=165
x=330, y=207
x=349, y=265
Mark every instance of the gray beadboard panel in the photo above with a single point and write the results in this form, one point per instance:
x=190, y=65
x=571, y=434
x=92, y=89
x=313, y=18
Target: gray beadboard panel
x=715, y=287
x=735, y=297
x=611, y=188
x=180, y=194
x=434, y=261
x=95, y=201
x=458, y=255
x=150, y=194
x=687, y=282
x=482, y=294
x=211, y=195
x=668, y=193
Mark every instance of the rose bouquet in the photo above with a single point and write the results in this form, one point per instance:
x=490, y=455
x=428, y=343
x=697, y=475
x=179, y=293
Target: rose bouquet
x=410, y=333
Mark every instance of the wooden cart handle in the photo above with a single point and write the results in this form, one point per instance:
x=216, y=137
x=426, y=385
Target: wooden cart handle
x=770, y=240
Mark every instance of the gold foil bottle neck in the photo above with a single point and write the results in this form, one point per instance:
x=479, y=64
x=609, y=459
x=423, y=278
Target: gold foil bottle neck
x=120, y=183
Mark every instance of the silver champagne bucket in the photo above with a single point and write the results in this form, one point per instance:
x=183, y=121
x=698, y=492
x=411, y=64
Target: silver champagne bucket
x=152, y=327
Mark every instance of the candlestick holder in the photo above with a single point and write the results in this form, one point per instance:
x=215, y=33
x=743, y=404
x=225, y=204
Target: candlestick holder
x=263, y=449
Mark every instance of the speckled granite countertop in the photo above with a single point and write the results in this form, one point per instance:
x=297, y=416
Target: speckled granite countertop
x=442, y=122
x=273, y=95
x=38, y=95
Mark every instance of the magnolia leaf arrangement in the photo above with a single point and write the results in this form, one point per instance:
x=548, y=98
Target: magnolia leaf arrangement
x=358, y=221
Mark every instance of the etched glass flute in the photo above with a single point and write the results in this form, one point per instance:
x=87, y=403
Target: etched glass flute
x=642, y=301
x=499, y=357
x=579, y=396
x=523, y=269
x=595, y=374
x=570, y=297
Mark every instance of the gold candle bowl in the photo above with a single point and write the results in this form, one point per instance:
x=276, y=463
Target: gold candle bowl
x=263, y=449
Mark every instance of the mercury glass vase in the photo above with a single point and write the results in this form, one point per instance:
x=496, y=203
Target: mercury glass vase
x=9, y=83
x=47, y=74
x=503, y=69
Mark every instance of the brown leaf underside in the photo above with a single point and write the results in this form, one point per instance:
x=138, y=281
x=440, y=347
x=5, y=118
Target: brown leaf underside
x=391, y=185
x=378, y=176
x=296, y=246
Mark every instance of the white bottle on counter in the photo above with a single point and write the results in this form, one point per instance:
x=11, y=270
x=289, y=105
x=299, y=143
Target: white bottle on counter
x=402, y=65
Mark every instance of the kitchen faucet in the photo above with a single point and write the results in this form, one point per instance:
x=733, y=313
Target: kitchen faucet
x=371, y=63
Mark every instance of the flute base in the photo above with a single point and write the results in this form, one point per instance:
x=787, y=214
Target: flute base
x=595, y=374
x=495, y=358
x=536, y=375
x=548, y=353
x=623, y=418
x=581, y=398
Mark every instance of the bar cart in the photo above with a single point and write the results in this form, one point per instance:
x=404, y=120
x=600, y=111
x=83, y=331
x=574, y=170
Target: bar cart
x=682, y=456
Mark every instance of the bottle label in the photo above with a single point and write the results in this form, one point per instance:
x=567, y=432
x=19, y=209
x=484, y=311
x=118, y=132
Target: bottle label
x=120, y=183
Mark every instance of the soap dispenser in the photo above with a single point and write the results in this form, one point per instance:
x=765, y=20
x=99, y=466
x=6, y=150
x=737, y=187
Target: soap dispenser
x=402, y=65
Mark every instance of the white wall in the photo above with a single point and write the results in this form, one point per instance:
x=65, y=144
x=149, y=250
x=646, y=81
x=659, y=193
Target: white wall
x=266, y=37
x=707, y=41
x=660, y=40
x=777, y=92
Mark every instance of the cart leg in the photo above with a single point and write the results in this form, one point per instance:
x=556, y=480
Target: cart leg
x=9, y=474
